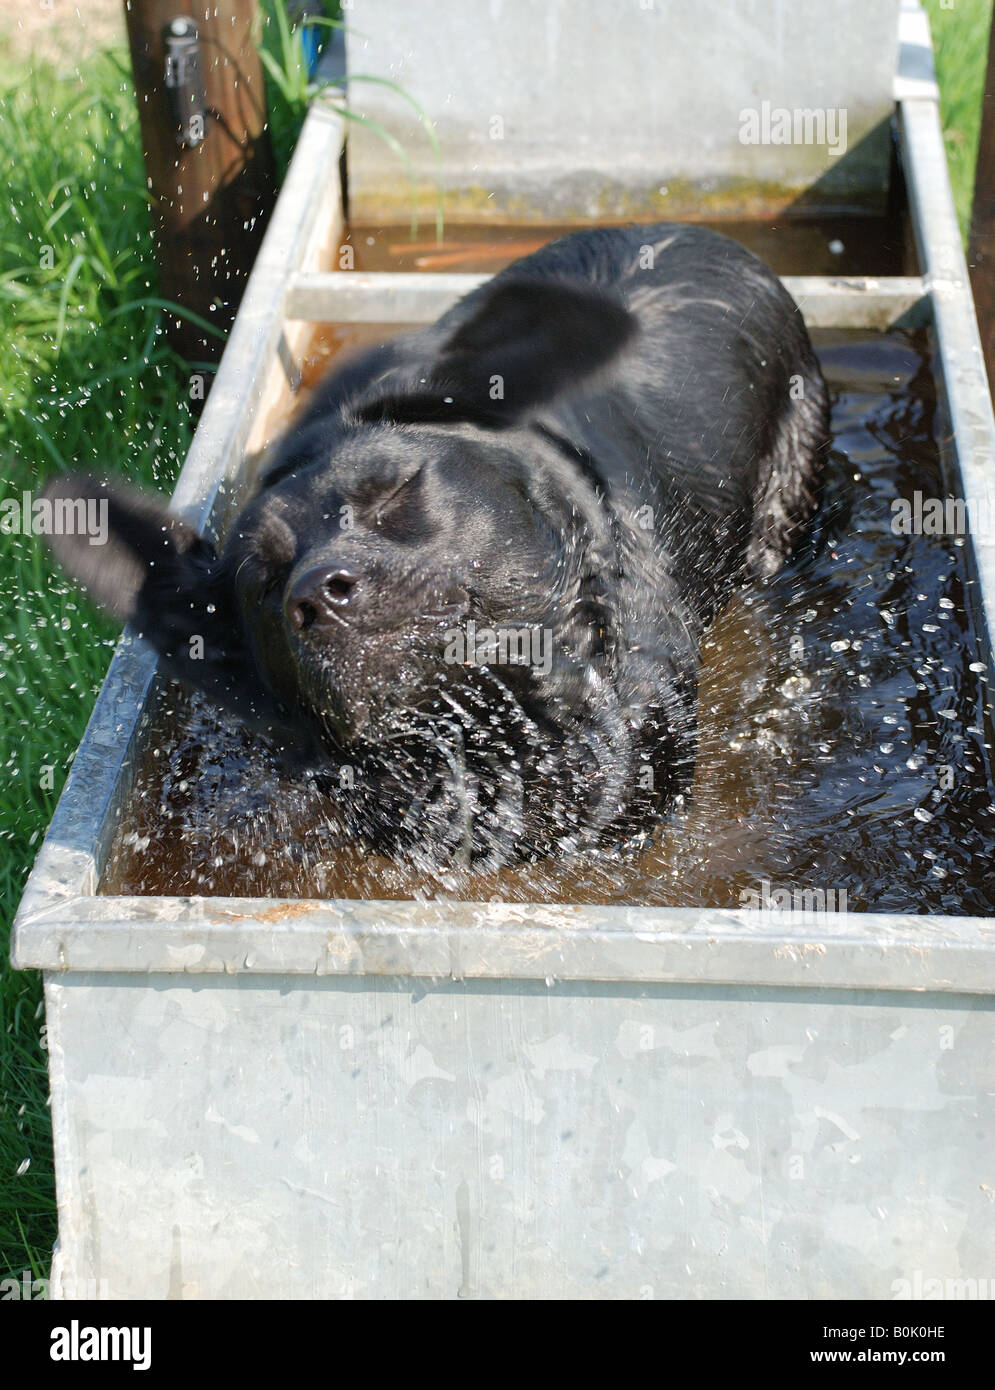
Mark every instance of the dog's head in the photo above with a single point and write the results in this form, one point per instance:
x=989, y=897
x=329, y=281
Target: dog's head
x=407, y=559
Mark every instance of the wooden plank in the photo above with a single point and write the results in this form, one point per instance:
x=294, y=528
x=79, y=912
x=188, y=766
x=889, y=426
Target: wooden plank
x=348, y=296
x=211, y=199
x=860, y=301
x=415, y=297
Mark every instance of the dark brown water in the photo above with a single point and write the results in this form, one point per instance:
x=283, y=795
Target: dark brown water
x=844, y=724
x=791, y=245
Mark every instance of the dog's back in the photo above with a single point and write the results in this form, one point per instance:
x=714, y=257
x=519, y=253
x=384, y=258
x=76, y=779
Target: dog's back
x=718, y=395
x=719, y=392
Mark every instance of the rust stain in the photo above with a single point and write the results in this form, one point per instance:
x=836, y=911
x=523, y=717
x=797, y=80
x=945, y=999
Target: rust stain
x=278, y=913
x=436, y=249
x=469, y=254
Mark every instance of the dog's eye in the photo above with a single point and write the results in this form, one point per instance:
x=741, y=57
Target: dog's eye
x=386, y=500
x=261, y=581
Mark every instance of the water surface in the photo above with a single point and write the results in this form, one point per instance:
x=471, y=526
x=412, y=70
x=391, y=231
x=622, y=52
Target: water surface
x=844, y=723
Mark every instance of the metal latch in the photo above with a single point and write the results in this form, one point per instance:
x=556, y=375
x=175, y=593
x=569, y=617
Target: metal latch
x=185, y=81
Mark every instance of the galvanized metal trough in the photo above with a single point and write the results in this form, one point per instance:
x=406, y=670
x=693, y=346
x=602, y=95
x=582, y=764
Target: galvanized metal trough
x=314, y=1099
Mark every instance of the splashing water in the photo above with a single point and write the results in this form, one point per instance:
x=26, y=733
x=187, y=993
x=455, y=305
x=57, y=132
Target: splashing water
x=844, y=726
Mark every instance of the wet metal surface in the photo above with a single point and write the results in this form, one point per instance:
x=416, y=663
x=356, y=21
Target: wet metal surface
x=392, y=1138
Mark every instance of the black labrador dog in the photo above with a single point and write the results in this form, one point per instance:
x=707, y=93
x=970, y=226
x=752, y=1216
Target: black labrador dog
x=468, y=594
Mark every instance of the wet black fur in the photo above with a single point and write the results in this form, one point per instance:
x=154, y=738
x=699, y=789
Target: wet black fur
x=598, y=443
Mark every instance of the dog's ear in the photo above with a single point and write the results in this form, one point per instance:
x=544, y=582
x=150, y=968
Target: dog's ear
x=151, y=569
x=525, y=342
x=113, y=540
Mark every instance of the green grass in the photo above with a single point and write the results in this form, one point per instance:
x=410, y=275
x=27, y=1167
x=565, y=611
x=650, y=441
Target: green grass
x=290, y=89
x=960, y=38
x=86, y=378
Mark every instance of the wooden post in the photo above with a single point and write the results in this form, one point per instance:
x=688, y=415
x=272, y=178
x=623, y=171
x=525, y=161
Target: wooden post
x=981, y=250
x=212, y=195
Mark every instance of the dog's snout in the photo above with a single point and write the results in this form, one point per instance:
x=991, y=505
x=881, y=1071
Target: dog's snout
x=321, y=595
x=339, y=585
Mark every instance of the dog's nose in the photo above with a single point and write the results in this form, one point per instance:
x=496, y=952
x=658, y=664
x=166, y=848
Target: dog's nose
x=321, y=595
